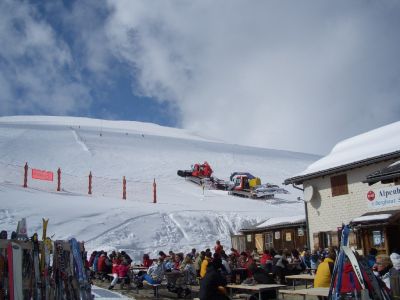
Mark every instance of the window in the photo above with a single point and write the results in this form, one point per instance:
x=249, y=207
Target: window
x=339, y=185
x=300, y=231
x=269, y=240
x=325, y=239
x=378, y=239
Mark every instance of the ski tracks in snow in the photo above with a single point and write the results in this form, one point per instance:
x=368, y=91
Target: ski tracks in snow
x=80, y=141
x=178, y=226
x=118, y=226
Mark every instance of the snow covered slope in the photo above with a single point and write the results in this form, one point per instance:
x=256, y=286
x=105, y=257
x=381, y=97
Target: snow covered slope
x=183, y=217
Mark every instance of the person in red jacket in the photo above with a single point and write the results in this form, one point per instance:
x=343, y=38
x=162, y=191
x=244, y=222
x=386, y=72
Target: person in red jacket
x=147, y=262
x=122, y=274
x=115, y=266
x=101, y=263
x=266, y=260
x=218, y=247
x=91, y=259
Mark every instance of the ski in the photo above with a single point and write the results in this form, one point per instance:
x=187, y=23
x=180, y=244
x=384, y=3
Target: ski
x=85, y=288
x=2, y=276
x=357, y=270
x=47, y=247
x=22, y=232
x=36, y=266
x=27, y=272
x=43, y=253
x=14, y=259
x=45, y=222
x=10, y=271
x=3, y=282
x=334, y=292
x=361, y=269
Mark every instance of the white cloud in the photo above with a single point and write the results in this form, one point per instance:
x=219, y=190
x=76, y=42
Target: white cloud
x=290, y=75
x=297, y=76
x=36, y=68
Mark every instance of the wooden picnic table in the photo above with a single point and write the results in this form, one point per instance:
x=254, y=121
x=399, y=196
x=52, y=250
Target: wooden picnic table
x=141, y=268
x=254, y=288
x=322, y=292
x=305, y=277
x=136, y=269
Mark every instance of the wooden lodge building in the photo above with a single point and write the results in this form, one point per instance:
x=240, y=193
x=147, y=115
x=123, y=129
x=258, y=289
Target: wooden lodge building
x=277, y=233
x=358, y=183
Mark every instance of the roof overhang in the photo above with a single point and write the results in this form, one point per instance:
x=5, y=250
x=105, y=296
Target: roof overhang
x=385, y=175
x=361, y=163
x=381, y=218
x=273, y=227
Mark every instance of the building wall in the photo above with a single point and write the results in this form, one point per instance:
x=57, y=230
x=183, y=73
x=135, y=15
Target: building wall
x=327, y=213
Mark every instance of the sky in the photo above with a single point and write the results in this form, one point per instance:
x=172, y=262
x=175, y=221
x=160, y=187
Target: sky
x=299, y=76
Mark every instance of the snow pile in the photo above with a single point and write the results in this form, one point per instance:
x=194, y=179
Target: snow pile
x=183, y=217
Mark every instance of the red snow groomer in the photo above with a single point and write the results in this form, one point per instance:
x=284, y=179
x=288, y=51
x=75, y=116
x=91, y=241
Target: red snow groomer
x=198, y=174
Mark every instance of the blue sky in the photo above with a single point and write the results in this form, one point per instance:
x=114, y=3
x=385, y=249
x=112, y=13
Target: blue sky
x=286, y=75
x=113, y=97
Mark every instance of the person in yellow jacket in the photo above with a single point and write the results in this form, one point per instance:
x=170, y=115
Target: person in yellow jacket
x=204, y=264
x=324, y=271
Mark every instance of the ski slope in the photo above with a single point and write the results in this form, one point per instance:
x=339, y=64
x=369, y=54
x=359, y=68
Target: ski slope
x=184, y=216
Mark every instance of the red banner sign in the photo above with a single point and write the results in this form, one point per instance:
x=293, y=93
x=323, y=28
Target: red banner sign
x=42, y=175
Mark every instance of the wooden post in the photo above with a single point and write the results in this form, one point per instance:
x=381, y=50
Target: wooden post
x=58, y=180
x=26, y=175
x=90, y=183
x=124, y=188
x=154, y=191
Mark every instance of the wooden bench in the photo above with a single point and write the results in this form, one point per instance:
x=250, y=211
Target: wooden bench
x=155, y=287
x=258, y=288
x=322, y=292
x=301, y=277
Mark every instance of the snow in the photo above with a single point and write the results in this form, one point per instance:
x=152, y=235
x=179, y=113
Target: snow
x=372, y=218
x=100, y=293
x=282, y=220
x=394, y=164
x=376, y=142
x=184, y=216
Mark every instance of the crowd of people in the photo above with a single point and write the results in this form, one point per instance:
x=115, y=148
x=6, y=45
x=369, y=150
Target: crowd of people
x=213, y=270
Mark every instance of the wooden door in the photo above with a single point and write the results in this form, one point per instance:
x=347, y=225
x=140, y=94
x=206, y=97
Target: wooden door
x=259, y=242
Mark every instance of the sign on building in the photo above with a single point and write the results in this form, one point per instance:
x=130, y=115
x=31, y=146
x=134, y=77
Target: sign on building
x=384, y=197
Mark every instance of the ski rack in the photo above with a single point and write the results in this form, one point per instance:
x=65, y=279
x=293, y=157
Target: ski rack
x=28, y=278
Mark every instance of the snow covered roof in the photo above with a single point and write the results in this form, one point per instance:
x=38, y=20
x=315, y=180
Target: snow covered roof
x=277, y=222
x=370, y=147
x=372, y=218
x=376, y=217
x=385, y=175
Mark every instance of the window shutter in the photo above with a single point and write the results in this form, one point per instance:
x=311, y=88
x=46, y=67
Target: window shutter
x=339, y=185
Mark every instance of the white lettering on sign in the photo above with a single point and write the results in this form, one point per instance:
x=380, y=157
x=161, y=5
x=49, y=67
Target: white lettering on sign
x=383, y=197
